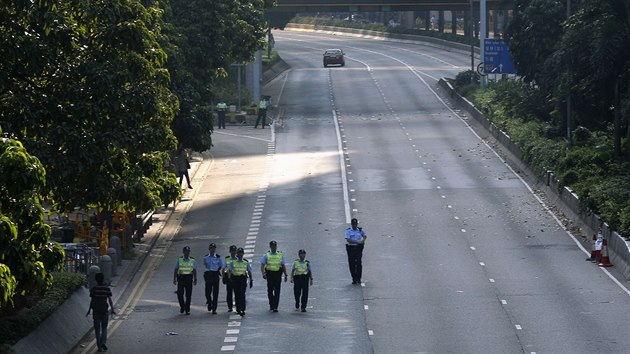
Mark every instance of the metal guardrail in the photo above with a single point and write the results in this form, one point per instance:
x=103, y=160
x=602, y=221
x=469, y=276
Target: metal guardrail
x=79, y=257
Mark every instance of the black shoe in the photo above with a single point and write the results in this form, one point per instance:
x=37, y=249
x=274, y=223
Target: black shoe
x=187, y=313
x=214, y=312
x=190, y=187
x=209, y=308
x=297, y=305
x=354, y=282
x=104, y=347
x=303, y=310
x=230, y=310
x=181, y=310
x=99, y=350
x=242, y=313
x=275, y=310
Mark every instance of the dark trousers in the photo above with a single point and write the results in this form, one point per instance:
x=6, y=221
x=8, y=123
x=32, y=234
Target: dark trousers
x=355, y=253
x=262, y=114
x=184, y=285
x=183, y=174
x=212, y=289
x=221, y=119
x=100, y=328
x=240, y=286
x=274, y=280
x=229, y=288
x=300, y=288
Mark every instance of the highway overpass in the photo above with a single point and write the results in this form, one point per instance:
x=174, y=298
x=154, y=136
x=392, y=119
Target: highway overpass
x=384, y=5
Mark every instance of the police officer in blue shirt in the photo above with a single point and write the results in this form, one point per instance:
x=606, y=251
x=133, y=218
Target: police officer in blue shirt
x=355, y=240
x=213, y=264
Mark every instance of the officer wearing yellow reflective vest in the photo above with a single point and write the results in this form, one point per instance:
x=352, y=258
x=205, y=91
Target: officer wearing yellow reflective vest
x=184, y=276
x=221, y=109
x=229, y=288
x=301, y=275
x=239, y=270
x=272, y=268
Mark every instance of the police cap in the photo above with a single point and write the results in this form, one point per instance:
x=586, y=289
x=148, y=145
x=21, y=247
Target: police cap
x=233, y=248
x=186, y=249
x=212, y=245
x=240, y=250
x=273, y=243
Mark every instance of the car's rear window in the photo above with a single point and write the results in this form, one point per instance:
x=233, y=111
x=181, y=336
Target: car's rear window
x=334, y=51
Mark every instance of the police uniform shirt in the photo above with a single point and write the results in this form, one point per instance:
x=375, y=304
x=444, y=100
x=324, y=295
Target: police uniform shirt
x=355, y=235
x=231, y=266
x=263, y=260
x=194, y=262
x=308, y=265
x=212, y=263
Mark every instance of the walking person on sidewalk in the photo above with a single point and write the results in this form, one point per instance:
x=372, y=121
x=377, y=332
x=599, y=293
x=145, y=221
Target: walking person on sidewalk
x=239, y=271
x=101, y=295
x=214, y=265
x=272, y=268
x=355, y=240
x=185, y=276
x=301, y=276
x=229, y=286
x=183, y=164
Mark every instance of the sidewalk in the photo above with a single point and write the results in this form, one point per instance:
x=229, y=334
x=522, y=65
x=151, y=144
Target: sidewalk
x=61, y=332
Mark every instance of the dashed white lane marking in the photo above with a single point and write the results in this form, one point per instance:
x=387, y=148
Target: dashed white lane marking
x=234, y=324
x=518, y=327
x=472, y=248
x=366, y=307
x=370, y=332
x=233, y=331
x=482, y=264
x=491, y=280
x=226, y=348
x=503, y=302
x=230, y=339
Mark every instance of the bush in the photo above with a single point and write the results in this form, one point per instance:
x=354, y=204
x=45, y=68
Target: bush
x=15, y=327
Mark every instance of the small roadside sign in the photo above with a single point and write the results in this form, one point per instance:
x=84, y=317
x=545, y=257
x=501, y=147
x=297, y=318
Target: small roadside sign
x=497, y=58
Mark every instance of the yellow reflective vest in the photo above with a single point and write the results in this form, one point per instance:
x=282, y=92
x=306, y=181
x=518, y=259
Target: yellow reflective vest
x=274, y=261
x=185, y=266
x=301, y=268
x=239, y=267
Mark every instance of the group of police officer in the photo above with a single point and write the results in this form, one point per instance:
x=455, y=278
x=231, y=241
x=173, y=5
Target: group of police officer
x=236, y=271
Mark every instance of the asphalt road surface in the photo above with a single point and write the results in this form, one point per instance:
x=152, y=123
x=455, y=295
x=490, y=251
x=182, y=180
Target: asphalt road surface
x=461, y=256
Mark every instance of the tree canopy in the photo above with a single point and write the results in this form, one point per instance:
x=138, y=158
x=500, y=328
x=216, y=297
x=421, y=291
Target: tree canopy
x=585, y=56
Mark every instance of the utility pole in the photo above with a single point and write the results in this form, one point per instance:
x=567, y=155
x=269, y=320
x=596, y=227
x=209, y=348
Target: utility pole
x=569, y=138
x=472, y=37
x=482, y=35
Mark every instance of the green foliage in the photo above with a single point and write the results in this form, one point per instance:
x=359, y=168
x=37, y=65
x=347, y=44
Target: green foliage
x=202, y=40
x=27, y=257
x=15, y=327
x=87, y=93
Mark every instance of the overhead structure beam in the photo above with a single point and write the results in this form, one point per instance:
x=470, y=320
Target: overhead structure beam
x=382, y=5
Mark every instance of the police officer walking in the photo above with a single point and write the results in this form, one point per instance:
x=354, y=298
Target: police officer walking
x=355, y=240
x=185, y=276
x=239, y=270
x=214, y=265
x=272, y=268
x=221, y=109
x=229, y=287
x=301, y=276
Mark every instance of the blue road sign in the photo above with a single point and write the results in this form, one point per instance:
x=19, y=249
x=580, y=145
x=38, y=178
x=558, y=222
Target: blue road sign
x=496, y=57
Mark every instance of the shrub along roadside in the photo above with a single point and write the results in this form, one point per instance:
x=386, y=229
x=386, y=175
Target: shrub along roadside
x=16, y=326
x=588, y=168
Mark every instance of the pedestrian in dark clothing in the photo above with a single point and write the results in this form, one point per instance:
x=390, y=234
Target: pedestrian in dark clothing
x=214, y=265
x=239, y=271
x=301, y=276
x=272, y=267
x=229, y=286
x=185, y=276
x=355, y=240
x=101, y=295
x=183, y=164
